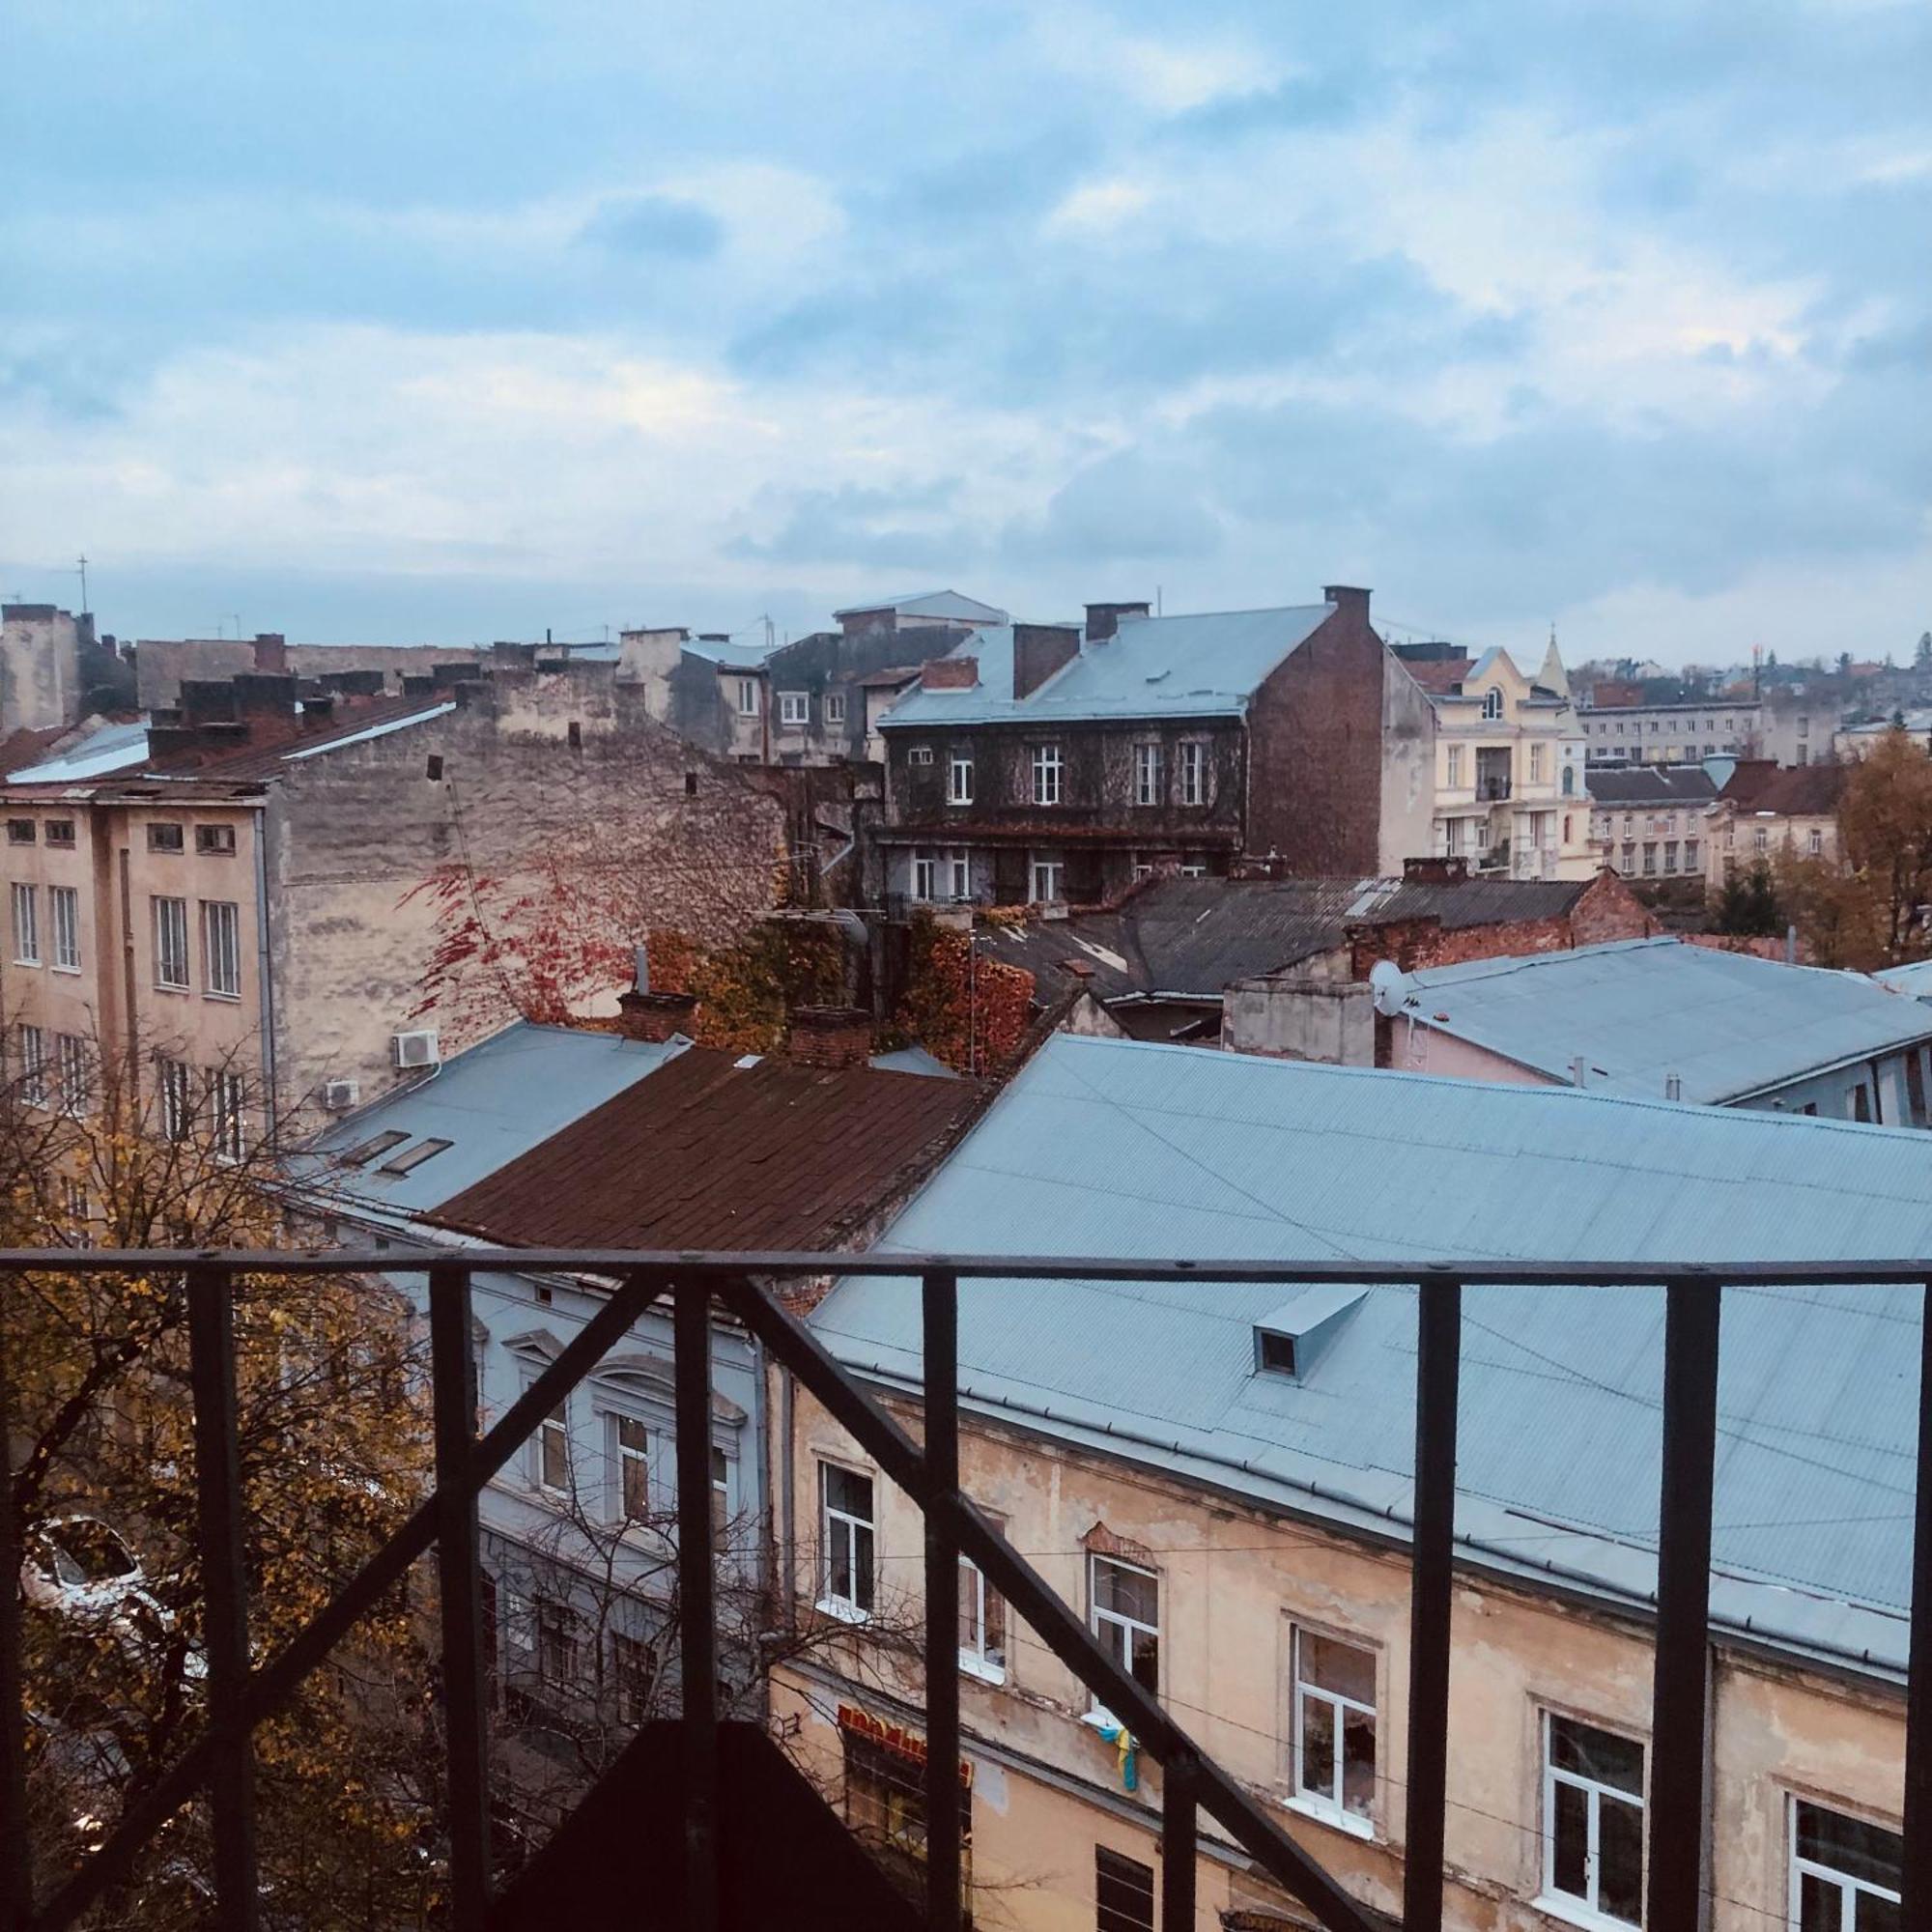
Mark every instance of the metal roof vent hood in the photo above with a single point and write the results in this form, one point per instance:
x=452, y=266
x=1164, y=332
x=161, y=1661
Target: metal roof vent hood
x=1290, y=1341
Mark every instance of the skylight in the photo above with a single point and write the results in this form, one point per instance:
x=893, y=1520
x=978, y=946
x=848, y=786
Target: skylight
x=408, y=1163
x=362, y=1156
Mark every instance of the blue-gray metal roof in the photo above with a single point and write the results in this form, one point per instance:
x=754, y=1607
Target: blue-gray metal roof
x=931, y=604
x=911, y=1060
x=493, y=1102
x=1914, y=979
x=1728, y=1024
x=1207, y=666
x=727, y=654
x=1132, y=1149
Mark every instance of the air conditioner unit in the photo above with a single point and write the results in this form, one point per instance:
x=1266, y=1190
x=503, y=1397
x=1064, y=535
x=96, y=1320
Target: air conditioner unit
x=417, y=1049
x=338, y=1096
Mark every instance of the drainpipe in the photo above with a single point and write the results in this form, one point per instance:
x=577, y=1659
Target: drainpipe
x=787, y=1524
x=264, y=972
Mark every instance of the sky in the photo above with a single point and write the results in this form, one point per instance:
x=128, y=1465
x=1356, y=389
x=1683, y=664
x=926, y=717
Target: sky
x=378, y=321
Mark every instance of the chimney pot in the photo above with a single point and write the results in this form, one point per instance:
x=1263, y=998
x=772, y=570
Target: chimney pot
x=1040, y=650
x=831, y=1036
x=1103, y=620
x=653, y=1016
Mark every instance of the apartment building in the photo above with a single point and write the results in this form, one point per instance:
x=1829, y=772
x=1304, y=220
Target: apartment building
x=1508, y=764
x=1059, y=762
x=1677, y=734
x=1218, y=1479
x=1650, y=821
x=1766, y=812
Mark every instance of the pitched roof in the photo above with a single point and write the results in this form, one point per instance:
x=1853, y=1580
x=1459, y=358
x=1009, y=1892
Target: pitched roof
x=1649, y=784
x=715, y=1153
x=931, y=604
x=1913, y=977
x=1441, y=678
x=1206, y=666
x=1801, y=790
x=1727, y=1023
x=726, y=654
x=1131, y=1150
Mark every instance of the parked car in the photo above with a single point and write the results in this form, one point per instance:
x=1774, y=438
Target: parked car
x=81, y=1569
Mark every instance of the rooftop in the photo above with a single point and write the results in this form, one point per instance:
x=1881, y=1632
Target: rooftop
x=1803, y=790
x=1649, y=784
x=1146, y=1151
x=948, y=605
x=1729, y=1025
x=1205, y=666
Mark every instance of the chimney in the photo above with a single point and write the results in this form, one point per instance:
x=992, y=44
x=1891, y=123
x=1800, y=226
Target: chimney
x=1104, y=619
x=1039, y=651
x=1579, y=1070
x=1346, y=597
x=654, y=1017
x=948, y=673
x=271, y=651
x=1436, y=872
x=1674, y=1086
x=831, y=1036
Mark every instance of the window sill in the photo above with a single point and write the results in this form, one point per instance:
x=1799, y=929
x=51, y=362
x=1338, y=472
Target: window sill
x=72, y=972
x=1350, y=1822
x=161, y=986
x=978, y=1666
x=842, y=1612
x=1574, y=1911
x=17, y=961
x=226, y=998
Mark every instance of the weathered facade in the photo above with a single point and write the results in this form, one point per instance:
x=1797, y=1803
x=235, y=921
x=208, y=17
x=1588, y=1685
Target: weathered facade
x=1766, y=812
x=163, y=665
x=1651, y=821
x=1674, y=733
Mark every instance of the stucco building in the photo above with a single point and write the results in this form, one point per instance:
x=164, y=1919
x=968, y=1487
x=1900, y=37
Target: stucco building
x=1652, y=821
x=1675, y=734
x=1766, y=812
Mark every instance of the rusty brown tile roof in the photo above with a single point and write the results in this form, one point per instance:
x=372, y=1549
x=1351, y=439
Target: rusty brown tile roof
x=1439, y=676
x=268, y=753
x=706, y=1154
x=1801, y=790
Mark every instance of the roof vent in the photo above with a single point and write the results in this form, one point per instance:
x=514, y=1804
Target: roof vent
x=1291, y=1340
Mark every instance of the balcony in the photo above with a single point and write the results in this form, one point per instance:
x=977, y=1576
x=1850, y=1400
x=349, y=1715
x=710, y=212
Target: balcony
x=1492, y=789
x=700, y=1813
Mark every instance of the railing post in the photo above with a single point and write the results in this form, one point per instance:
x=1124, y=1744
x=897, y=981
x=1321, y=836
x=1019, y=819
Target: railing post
x=1675, y=1811
x=698, y=1630
x=1432, y=1569
x=224, y=1581
x=1916, y=1891
x=458, y=1585
x=939, y=1295
x=1179, y=1794
x=16, y=1872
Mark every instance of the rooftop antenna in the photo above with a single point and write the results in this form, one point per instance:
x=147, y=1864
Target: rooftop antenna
x=83, y=585
x=766, y=620
x=1157, y=601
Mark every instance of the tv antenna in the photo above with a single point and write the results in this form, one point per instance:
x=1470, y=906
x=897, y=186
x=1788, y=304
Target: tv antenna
x=83, y=583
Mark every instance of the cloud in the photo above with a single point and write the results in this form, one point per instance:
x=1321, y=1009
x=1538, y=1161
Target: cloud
x=656, y=225
x=1128, y=508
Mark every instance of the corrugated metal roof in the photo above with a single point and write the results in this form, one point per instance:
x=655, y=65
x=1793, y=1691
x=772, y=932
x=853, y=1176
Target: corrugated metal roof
x=931, y=604
x=1131, y=1150
x=1205, y=666
x=112, y=747
x=1914, y=979
x=1728, y=1024
x=725, y=652
x=493, y=1102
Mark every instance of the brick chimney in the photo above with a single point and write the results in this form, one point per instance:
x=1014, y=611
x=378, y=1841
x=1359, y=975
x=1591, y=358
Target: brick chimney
x=948, y=673
x=271, y=651
x=1436, y=872
x=1346, y=597
x=1103, y=620
x=1039, y=651
x=830, y=1036
x=654, y=1017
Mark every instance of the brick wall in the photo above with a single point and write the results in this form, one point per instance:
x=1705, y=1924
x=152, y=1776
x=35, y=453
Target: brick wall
x=1607, y=911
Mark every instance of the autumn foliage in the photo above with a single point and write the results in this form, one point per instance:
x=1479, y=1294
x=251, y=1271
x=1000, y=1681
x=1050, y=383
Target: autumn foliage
x=970, y=1011
x=744, y=989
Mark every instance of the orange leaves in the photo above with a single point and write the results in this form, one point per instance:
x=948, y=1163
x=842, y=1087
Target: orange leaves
x=970, y=1011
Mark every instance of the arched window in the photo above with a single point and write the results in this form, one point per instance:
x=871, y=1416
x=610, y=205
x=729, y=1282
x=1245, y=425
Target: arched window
x=1568, y=780
x=1493, y=703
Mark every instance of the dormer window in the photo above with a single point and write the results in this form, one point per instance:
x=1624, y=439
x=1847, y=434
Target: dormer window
x=1493, y=703
x=1288, y=1340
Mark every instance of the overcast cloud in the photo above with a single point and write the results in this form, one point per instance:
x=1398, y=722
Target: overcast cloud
x=456, y=320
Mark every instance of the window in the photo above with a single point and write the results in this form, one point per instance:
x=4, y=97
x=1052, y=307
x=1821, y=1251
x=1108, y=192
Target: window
x=1860, y=1102
x=31, y=1046
x=20, y=832
x=1049, y=877
x=1670, y=855
x=1593, y=1819
x=1125, y=1616
x=845, y=1527
x=60, y=832
x=1046, y=774
x=1815, y=842
x=959, y=884
x=432, y=766
x=1452, y=838
x=222, y=949
x=1123, y=1893
x=1193, y=773
x=170, y=943
x=177, y=1102
x=228, y=1099
x=920, y=755
x=64, y=902
x=1690, y=855
x=1149, y=775
x=924, y=871
x=1334, y=1728
x=834, y=708
x=1760, y=840
x=1454, y=780
x=1191, y=866
x=885, y=1808
x=721, y=1496
x=550, y=1451
x=794, y=707
x=1537, y=758
x=1493, y=703
x=26, y=925
x=633, y=1675
x=71, y=1072
x=558, y=1641
x=1568, y=780
x=1649, y=857
x=164, y=835
x=982, y=1622
x=76, y=1213
x=1846, y=1876
x=959, y=779
x=631, y=1445
x=573, y=733
x=215, y=841
x=748, y=697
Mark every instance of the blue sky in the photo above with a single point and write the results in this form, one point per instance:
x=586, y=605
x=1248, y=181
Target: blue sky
x=432, y=321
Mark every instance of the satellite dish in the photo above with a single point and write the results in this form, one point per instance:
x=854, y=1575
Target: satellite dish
x=1389, y=985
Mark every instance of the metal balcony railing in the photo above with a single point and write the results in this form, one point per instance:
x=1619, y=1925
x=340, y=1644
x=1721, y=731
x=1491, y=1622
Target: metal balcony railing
x=242, y=1695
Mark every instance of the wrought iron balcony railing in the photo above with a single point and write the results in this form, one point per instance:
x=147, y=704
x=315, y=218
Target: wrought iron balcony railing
x=242, y=1694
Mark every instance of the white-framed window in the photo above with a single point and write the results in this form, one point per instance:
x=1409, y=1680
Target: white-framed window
x=1760, y=840
x=26, y=925
x=959, y=779
x=1194, y=773
x=64, y=902
x=1690, y=855
x=76, y=1212
x=834, y=708
x=1815, y=842
x=723, y=1476
x=215, y=841
x=794, y=707
x=846, y=1538
x=1143, y=868
x=1670, y=855
x=1493, y=703
x=30, y=1047
x=983, y=1622
x=1124, y=1611
x=177, y=1099
x=550, y=1451
x=559, y=1644
x=228, y=1102
x=1191, y=866
x=170, y=943
x=631, y=1466
x=1593, y=1820
x=222, y=949
x=748, y=697
x=1332, y=1727
x=71, y=1072
x=1846, y=1875
x=1455, y=778
x=1539, y=756
x=1149, y=774
x=925, y=875
x=1047, y=771
x=1049, y=881
x=1452, y=838
x=920, y=755
x=633, y=1674
x=960, y=876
